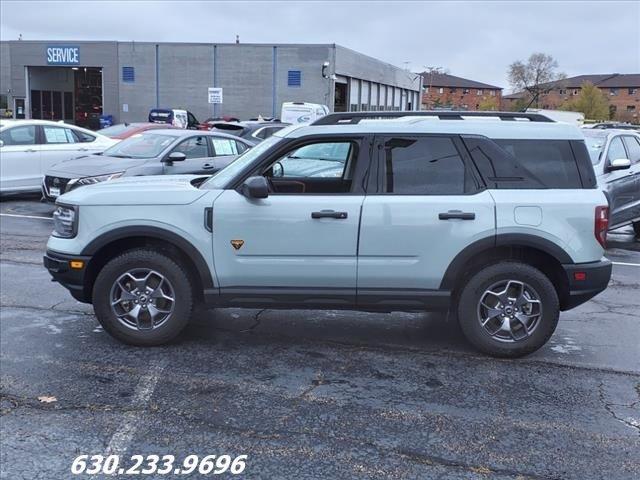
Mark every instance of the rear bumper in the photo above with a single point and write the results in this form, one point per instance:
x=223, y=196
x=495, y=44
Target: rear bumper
x=596, y=276
x=72, y=279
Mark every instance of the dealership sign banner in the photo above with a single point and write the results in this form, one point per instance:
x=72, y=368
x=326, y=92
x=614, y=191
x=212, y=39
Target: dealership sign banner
x=63, y=55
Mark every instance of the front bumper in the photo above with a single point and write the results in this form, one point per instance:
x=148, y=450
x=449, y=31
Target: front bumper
x=586, y=280
x=59, y=266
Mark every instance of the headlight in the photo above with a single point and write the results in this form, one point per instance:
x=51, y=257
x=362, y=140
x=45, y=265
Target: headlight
x=65, y=221
x=91, y=180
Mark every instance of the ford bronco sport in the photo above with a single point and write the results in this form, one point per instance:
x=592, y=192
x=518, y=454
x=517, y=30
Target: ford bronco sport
x=495, y=218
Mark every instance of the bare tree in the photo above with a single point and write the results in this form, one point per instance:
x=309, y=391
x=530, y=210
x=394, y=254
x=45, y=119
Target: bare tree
x=537, y=76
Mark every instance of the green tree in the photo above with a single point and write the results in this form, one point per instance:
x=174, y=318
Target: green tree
x=488, y=103
x=539, y=75
x=591, y=101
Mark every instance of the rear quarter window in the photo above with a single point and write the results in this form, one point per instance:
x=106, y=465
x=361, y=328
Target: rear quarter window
x=528, y=164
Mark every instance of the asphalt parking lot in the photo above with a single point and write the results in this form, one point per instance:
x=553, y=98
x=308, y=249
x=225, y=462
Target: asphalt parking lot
x=318, y=394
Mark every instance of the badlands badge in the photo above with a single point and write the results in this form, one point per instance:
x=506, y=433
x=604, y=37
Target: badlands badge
x=237, y=244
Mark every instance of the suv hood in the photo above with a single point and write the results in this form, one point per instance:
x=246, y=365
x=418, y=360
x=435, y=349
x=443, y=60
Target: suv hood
x=92, y=165
x=151, y=190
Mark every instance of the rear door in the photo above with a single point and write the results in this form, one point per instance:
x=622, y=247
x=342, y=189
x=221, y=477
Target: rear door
x=225, y=151
x=428, y=207
x=20, y=158
x=60, y=144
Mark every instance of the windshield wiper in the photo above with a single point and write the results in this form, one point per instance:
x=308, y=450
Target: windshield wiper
x=121, y=156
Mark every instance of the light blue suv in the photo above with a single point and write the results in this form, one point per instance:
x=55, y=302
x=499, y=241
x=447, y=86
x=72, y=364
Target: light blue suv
x=495, y=218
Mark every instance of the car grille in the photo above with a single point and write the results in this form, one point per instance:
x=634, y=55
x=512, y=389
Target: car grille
x=59, y=182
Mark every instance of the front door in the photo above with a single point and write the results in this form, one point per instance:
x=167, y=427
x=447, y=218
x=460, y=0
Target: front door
x=20, y=158
x=302, y=239
x=199, y=157
x=620, y=183
x=428, y=209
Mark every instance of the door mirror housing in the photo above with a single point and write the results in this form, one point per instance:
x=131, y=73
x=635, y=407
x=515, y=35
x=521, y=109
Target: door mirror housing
x=174, y=157
x=620, y=164
x=255, y=187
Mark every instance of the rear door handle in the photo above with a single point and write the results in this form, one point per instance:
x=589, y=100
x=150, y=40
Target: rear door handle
x=30, y=150
x=208, y=166
x=329, y=214
x=457, y=214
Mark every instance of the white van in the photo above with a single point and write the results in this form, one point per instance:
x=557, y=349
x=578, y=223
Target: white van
x=574, y=118
x=302, y=112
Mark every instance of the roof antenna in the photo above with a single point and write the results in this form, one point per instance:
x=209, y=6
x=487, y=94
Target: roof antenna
x=237, y=39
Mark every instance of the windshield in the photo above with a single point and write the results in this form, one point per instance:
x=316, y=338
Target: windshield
x=595, y=143
x=145, y=145
x=222, y=178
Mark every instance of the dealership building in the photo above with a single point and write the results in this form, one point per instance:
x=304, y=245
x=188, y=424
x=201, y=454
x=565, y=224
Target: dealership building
x=79, y=81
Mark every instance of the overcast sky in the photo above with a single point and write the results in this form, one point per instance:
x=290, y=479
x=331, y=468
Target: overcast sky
x=471, y=39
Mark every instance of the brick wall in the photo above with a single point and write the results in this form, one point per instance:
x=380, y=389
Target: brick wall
x=459, y=98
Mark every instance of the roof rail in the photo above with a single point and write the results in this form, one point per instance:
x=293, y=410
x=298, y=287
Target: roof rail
x=351, y=118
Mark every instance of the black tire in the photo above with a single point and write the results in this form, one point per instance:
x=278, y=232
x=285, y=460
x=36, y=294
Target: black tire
x=473, y=292
x=636, y=229
x=142, y=259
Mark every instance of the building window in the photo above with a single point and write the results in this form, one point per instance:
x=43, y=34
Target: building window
x=613, y=91
x=426, y=89
x=631, y=108
x=452, y=90
x=128, y=74
x=294, y=78
x=441, y=90
x=575, y=91
x=562, y=91
x=479, y=92
x=465, y=90
x=632, y=91
x=492, y=93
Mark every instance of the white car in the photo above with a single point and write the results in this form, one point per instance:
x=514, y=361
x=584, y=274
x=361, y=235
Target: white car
x=28, y=148
x=302, y=112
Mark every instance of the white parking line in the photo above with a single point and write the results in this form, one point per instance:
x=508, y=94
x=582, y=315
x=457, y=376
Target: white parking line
x=24, y=216
x=121, y=439
x=627, y=264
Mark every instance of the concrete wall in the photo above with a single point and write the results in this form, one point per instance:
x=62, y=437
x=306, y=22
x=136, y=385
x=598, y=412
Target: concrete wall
x=254, y=77
x=5, y=73
x=138, y=96
x=92, y=54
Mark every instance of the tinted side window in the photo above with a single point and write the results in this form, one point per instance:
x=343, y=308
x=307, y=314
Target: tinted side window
x=25, y=135
x=423, y=166
x=633, y=148
x=194, y=147
x=550, y=162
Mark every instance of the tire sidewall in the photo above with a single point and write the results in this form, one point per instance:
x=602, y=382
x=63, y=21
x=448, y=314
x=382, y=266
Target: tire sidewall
x=149, y=259
x=475, y=288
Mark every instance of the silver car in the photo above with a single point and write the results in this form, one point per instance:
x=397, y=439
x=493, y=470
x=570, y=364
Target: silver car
x=154, y=152
x=615, y=155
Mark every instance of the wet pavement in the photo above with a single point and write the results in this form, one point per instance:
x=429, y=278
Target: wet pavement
x=314, y=394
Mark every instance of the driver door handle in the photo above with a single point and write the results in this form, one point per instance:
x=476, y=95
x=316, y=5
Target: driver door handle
x=208, y=166
x=30, y=150
x=456, y=214
x=329, y=214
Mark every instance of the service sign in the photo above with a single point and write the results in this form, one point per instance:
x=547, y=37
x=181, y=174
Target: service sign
x=63, y=55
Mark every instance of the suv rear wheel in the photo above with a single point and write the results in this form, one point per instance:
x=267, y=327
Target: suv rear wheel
x=508, y=309
x=143, y=297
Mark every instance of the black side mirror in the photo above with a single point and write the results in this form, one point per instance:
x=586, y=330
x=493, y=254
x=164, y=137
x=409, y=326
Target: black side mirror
x=255, y=187
x=174, y=157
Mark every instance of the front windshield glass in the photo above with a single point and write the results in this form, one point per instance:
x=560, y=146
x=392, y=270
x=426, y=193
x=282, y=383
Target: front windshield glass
x=145, y=145
x=595, y=143
x=222, y=178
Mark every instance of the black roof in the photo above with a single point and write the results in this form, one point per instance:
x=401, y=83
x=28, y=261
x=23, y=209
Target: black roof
x=605, y=80
x=446, y=80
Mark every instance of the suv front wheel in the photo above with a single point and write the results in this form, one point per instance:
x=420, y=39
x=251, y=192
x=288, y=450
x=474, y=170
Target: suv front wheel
x=143, y=297
x=508, y=309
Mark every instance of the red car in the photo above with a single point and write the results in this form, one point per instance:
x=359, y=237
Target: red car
x=126, y=130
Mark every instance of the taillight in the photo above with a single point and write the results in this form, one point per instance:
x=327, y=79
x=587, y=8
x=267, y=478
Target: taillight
x=601, y=225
